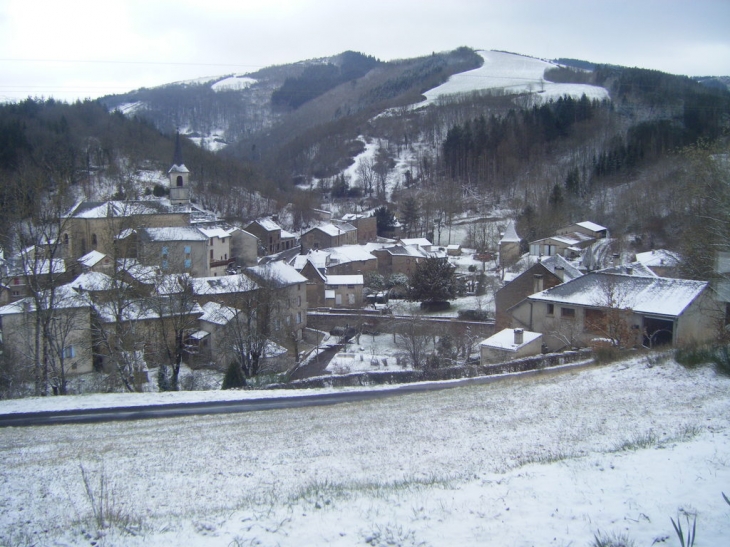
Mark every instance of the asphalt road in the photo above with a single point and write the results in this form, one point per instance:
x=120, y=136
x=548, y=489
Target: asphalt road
x=87, y=416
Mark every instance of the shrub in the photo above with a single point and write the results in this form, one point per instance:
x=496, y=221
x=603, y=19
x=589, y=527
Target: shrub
x=693, y=356
x=722, y=360
x=474, y=315
x=234, y=377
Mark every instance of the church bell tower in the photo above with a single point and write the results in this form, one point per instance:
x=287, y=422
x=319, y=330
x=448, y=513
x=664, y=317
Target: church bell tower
x=179, y=175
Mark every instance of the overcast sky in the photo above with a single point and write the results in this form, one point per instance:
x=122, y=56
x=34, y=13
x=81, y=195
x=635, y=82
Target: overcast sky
x=89, y=48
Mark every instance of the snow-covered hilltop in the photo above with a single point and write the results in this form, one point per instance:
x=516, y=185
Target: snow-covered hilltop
x=512, y=74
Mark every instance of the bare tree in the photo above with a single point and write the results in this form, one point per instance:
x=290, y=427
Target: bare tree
x=249, y=331
x=414, y=336
x=177, y=314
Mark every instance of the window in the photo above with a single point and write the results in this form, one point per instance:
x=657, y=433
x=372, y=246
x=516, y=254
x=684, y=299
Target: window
x=299, y=317
x=550, y=309
x=164, y=251
x=188, y=263
x=165, y=265
x=187, y=249
x=65, y=239
x=93, y=240
x=211, y=254
x=69, y=352
x=299, y=300
x=179, y=180
x=567, y=313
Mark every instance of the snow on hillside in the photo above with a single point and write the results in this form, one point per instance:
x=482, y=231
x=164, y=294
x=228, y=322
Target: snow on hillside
x=550, y=460
x=129, y=109
x=512, y=74
x=233, y=83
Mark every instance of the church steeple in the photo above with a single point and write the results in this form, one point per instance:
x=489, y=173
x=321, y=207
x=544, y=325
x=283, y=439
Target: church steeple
x=178, y=174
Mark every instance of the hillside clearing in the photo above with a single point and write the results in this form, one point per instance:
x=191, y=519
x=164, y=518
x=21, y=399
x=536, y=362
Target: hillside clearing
x=541, y=461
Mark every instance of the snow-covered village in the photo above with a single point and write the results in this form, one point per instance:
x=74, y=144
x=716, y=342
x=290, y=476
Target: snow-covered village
x=467, y=298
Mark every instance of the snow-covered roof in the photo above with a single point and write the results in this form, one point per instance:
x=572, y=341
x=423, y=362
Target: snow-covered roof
x=199, y=335
x=659, y=258
x=179, y=233
x=115, y=208
x=213, y=312
x=278, y=272
x=510, y=234
x=333, y=230
x=416, y=241
x=505, y=339
x=215, y=232
x=267, y=224
x=588, y=225
x=139, y=272
x=96, y=281
x=225, y=284
x=318, y=258
x=635, y=269
x=91, y=259
x=345, y=280
x=179, y=169
x=64, y=297
x=30, y=267
x=287, y=235
x=556, y=261
x=408, y=250
x=646, y=295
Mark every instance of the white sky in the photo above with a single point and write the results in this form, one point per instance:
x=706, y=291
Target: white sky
x=82, y=48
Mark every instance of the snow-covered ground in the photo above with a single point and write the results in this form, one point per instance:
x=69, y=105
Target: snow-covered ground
x=550, y=460
x=511, y=74
x=233, y=83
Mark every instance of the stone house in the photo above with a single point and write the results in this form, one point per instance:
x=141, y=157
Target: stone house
x=398, y=259
x=272, y=237
x=328, y=235
x=509, y=344
x=175, y=250
x=290, y=300
x=367, y=226
x=343, y=291
x=543, y=274
x=623, y=309
x=68, y=346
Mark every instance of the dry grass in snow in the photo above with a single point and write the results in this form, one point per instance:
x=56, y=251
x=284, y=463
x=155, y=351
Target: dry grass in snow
x=549, y=460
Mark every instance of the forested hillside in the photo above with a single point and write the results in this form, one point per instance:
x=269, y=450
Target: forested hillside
x=95, y=154
x=350, y=132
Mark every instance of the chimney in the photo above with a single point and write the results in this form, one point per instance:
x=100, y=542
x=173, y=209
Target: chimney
x=538, y=283
x=616, y=259
x=560, y=272
x=519, y=337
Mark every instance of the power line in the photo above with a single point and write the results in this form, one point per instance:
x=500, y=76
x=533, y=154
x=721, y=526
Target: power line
x=97, y=61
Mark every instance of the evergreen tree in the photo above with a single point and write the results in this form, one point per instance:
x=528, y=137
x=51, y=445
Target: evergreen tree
x=572, y=182
x=384, y=219
x=409, y=215
x=433, y=281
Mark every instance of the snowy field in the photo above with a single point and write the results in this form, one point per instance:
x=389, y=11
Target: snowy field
x=512, y=74
x=551, y=460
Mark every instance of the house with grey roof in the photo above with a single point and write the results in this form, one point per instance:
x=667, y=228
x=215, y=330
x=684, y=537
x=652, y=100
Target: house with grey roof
x=624, y=309
x=330, y=234
x=545, y=273
x=272, y=237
